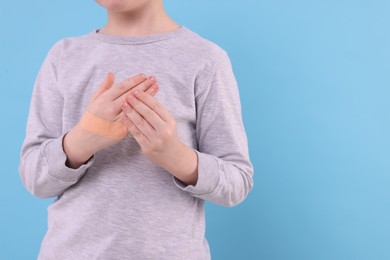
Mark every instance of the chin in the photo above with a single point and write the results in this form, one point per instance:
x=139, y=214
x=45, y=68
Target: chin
x=122, y=5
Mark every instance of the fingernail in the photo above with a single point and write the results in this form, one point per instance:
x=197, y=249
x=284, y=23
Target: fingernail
x=153, y=88
x=109, y=75
x=143, y=76
x=129, y=97
x=152, y=78
x=136, y=92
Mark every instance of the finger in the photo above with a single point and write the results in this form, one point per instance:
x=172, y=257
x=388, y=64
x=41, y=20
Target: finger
x=152, y=90
x=107, y=83
x=144, y=86
x=146, y=112
x=141, y=139
x=139, y=122
x=154, y=105
x=125, y=86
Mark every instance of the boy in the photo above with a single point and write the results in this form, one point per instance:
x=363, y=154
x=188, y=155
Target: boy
x=131, y=172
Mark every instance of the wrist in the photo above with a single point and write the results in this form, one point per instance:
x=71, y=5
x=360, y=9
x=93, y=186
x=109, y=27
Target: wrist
x=78, y=146
x=183, y=164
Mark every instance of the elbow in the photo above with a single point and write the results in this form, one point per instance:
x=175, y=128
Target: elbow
x=29, y=180
x=237, y=198
x=231, y=202
x=42, y=195
x=40, y=192
x=238, y=190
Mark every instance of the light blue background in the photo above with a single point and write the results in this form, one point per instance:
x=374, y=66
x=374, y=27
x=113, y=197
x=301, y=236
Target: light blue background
x=314, y=80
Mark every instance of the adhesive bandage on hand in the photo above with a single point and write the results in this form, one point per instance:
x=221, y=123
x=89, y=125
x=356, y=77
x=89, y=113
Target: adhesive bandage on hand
x=103, y=127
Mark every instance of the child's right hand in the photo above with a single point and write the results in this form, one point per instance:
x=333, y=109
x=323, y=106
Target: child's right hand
x=79, y=144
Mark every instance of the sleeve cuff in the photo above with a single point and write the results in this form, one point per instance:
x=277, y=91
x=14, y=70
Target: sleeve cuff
x=55, y=157
x=208, y=176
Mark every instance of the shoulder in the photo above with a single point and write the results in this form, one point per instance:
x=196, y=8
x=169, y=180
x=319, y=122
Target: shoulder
x=206, y=54
x=69, y=46
x=213, y=61
x=208, y=47
x=203, y=48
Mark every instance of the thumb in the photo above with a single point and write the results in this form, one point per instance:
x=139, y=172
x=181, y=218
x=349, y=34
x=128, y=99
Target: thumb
x=107, y=83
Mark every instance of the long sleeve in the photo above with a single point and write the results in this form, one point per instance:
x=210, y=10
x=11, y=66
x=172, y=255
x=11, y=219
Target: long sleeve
x=225, y=173
x=42, y=165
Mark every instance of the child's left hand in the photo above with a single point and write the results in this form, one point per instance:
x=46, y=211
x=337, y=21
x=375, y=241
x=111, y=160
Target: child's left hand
x=153, y=127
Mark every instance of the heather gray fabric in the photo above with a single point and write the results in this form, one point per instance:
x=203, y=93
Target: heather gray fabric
x=119, y=205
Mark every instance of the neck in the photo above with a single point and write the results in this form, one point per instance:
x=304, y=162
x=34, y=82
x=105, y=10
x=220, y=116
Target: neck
x=146, y=20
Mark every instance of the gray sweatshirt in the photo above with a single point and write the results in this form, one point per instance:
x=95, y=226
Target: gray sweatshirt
x=120, y=205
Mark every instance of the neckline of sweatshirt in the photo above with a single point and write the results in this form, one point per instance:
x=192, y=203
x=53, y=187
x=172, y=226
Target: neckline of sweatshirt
x=134, y=40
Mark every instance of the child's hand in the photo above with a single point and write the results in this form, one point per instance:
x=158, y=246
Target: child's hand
x=86, y=138
x=153, y=126
x=105, y=102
